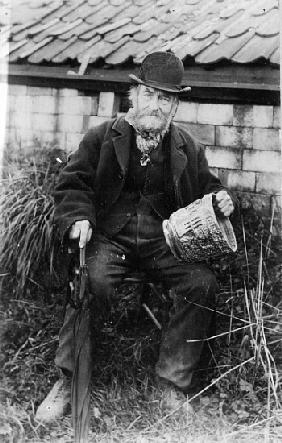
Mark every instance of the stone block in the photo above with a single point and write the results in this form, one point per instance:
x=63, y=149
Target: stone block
x=243, y=115
x=11, y=103
x=43, y=122
x=44, y=137
x=40, y=91
x=221, y=157
x=67, y=92
x=44, y=104
x=261, y=161
x=75, y=105
x=266, y=139
x=9, y=119
x=108, y=104
x=277, y=117
x=262, y=116
x=234, y=136
x=187, y=112
x=21, y=120
x=23, y=138
x=17, y=90
x=238, y=180
x=60, y=139
x=203, y=133
x=215, y=114
x=73, y=140
x=70, y=123
x=22, y=104
x=268, y=182
x=94, y=120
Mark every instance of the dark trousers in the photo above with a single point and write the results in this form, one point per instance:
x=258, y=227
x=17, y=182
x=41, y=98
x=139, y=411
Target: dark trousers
x=140, y=243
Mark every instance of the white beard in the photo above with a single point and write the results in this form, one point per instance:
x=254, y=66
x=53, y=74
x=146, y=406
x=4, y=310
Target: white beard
x=148, y=124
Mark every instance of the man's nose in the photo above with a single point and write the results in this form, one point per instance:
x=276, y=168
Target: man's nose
x=154, y=102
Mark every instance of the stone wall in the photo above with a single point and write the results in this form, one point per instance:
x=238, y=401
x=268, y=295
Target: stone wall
x=242, y=141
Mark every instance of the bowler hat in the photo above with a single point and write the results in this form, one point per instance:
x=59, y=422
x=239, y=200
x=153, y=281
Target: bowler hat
x=161, y=70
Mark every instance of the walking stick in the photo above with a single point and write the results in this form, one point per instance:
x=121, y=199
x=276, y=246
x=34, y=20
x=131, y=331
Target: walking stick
x=82, y=374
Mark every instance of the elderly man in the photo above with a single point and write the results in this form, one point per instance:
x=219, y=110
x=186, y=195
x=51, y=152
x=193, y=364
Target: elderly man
x=128, y=175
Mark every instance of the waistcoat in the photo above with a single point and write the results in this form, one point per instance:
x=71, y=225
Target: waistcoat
x=145, y=189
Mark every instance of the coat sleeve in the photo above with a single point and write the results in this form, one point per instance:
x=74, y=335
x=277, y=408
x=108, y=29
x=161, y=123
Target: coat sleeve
x=74, y=195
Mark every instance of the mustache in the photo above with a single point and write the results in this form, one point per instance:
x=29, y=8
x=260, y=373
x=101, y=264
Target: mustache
x=153, y=113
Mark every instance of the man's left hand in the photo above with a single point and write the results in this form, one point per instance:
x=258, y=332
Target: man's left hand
x=223, y=204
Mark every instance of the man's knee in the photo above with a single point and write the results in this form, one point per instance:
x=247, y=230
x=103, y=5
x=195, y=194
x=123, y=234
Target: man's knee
x=100, y=285
x=199, y=285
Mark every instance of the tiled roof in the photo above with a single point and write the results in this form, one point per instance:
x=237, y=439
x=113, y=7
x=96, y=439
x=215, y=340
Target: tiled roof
x=113, y=32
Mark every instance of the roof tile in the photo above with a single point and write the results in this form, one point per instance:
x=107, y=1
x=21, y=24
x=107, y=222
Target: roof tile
x=80, y=12
x=194, y=47
x=206, y=31
x=131, y=11
x=53, y=30
x=39, y=27
x=111, y=26
x=28, y=49
x=105, y=14
x=74, y=50
x=275, y=57
x=229, y=11
x=129, y=29
x=130, y=49
x=94, y=2
x=256, y=48
x=243, y=25
x=261, y=6
x=270, y=24
x=224, y=49
x=49, y=51
x=102, y=49
x=78, y=29
x=59, y=11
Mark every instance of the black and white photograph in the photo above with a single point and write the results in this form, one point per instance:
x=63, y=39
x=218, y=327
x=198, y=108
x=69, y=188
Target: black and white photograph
x=140, y=221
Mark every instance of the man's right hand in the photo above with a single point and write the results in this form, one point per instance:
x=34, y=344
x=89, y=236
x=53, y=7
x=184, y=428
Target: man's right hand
x=81, y=230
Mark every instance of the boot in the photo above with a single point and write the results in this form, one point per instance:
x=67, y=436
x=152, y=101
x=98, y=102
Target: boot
x=172, y=399
x=57, y=402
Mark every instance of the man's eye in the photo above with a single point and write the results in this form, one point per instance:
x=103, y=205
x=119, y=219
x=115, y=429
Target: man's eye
x=164, y=98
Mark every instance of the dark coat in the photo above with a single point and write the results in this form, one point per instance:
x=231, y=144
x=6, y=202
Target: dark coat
x=95, y=174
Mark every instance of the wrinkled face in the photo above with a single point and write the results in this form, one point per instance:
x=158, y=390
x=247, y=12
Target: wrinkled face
x=154, y=108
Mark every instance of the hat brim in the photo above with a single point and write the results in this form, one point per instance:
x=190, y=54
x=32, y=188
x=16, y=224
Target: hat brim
x=161, y=86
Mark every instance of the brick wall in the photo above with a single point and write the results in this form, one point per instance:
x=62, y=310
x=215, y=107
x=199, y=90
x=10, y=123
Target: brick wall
x=242, y=141
x=242, y=146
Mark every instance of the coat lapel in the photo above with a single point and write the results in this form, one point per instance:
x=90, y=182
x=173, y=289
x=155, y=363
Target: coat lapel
x=121, y=142
x=178, y=158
